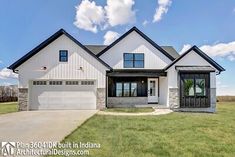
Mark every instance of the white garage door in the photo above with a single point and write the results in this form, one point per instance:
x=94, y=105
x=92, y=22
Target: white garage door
x=62, y=95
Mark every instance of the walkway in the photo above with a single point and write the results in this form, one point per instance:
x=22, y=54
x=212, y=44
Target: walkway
x=156, y=112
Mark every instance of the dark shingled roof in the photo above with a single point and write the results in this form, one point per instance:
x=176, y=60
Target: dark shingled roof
x=95, y=48
x=171, y=51
x=98, y=48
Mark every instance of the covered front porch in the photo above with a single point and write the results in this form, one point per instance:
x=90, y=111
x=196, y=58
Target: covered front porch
x=134, y=88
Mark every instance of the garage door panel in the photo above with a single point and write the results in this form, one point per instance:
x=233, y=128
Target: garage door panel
x=63, y=97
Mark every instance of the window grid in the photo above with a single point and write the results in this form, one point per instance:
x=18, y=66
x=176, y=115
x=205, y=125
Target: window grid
x=72, y=82
x=55, y=82
x=63, y=56
x=87, y=82
x=39, y=82
x=133, y=60
x=126, y=89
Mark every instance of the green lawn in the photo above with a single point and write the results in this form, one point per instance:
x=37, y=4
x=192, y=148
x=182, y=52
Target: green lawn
x=130, y=110
x=8, y=107
x=175, y=134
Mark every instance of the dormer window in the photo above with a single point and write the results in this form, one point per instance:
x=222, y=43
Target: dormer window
x=63, y=56
x=133, y=60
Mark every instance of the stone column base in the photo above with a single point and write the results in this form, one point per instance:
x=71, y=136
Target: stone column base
x=101, y=98
x=23, y=99
x=174, y=98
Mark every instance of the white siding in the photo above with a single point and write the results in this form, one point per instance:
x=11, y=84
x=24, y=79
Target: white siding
x=134, y=43
x=49, y=57
x=163, y=89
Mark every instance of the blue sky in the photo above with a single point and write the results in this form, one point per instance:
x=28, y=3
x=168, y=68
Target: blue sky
x=26, y=23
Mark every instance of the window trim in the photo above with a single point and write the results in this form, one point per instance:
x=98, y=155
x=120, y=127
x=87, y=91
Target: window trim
x=122, y=89
x=133, y=61
x=63, y=56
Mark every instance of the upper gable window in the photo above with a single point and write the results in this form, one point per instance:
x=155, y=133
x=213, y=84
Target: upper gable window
x=133, y=60
x=63, y=56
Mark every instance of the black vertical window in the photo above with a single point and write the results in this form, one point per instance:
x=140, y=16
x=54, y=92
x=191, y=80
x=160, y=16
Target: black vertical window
x=63, y=56
x=118, y=89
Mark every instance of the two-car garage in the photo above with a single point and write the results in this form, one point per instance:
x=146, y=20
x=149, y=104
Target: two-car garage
x=62, y=94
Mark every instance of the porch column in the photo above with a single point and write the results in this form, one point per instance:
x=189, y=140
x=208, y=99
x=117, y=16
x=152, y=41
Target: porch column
x=174, y=98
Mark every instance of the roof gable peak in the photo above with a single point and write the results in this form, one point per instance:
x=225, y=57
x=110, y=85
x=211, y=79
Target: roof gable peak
x=143, y=36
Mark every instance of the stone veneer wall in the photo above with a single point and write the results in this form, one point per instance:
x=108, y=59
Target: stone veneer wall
x=101, y=98
x=126, y=101
x=23, y=99
x=174, y=98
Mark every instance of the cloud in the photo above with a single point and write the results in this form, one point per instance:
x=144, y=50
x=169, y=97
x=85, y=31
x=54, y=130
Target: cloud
x=119, y=12
x=1, y=62
x=161, y=9
x=222, y=50
x=7, y=73
x=185, y=48
x=145, y=23
x=231, y=57
x=91, y=17
x=109, y=37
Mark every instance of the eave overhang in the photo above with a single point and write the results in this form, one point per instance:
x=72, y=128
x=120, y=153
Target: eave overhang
x=136, y=73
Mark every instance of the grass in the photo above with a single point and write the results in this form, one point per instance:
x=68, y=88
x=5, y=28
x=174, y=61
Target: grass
x=130, y=110
x=175, y=134
x=8, y=107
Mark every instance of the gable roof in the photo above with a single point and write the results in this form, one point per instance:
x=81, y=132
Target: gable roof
x=47, y=42
x=202, y=54
x=142, y=35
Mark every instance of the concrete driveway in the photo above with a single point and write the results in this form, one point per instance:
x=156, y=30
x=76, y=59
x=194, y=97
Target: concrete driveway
x=36, y=126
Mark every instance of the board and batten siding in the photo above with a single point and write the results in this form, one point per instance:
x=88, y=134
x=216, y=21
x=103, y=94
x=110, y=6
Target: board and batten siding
x=134, y=43
x=49, y=57
x=190, y=59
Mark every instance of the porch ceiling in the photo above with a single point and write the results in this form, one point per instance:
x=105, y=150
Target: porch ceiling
x=136, y=73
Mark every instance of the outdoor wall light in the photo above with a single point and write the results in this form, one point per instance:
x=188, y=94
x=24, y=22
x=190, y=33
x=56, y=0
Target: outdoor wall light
x=43, y=68
x=80, y=68
x=142, y=81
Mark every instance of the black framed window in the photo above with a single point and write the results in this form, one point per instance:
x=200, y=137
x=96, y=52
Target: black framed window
x=126, y=89
x=189, y=87
x=200, y=87
x=63, y=56
x=133, y=89
x=118, y=89
x=133, y=60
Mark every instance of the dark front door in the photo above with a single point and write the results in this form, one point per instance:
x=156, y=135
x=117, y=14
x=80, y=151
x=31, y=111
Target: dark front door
x=194, y=90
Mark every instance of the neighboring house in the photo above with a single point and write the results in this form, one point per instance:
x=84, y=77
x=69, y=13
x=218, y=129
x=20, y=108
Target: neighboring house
x=133, y=71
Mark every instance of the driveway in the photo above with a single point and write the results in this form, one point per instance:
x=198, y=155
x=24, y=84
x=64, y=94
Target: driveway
x=36, y=126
